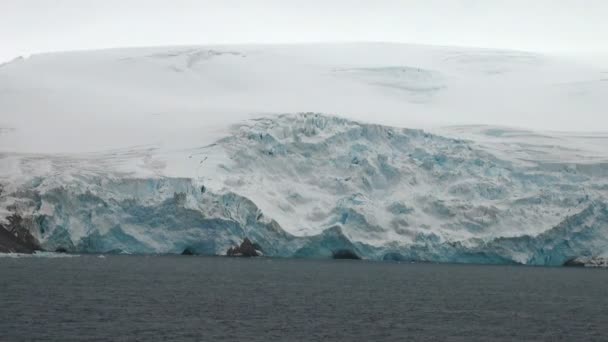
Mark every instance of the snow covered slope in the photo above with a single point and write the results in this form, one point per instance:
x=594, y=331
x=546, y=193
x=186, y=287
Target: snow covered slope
x=186, y=96
x=161, y=149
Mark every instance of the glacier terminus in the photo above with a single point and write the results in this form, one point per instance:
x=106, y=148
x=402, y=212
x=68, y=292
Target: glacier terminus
x=307, y=185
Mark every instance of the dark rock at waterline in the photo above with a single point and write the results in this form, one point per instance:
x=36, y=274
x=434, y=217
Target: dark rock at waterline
x=574, y=262
x=345, y=254
x=393, y=256
x=246, y=249
x=10, y=244
x=594, y=261
x=188, y=251
x=61, y=250
x=115, y=251
x=16, y=238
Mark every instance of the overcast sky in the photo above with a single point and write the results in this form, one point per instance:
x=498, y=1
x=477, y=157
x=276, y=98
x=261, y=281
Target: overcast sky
x=572, y=27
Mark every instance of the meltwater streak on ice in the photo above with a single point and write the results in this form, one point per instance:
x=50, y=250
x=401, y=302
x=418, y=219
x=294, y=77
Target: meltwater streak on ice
x=306, y=185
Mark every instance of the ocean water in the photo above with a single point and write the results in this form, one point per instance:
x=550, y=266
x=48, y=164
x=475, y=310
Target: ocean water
x=179, y=298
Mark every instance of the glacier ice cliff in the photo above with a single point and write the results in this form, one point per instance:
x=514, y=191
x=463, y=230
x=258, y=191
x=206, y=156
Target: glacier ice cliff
x=308, y=185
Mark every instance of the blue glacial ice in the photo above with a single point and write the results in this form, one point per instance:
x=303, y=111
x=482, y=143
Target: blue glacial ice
x=307, y=185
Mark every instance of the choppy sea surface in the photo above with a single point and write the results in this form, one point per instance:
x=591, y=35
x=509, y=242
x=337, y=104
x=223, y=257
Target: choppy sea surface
x=180, y=298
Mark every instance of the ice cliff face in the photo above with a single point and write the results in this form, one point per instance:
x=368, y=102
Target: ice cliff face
x=306, y=185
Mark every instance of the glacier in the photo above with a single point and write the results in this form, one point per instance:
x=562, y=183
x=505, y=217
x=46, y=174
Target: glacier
x=308, y=184
x=389, y=151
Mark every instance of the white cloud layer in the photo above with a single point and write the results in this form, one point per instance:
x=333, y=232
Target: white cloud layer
x=569, y=27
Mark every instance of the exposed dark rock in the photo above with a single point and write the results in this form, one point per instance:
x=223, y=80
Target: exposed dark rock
x=18, y=226
x=393, y=256
x=10, y=244
x=115, y=251
x=16, y=237
x=595, y=261
x=188, y=251
x=246, y=249
x=345, y=254
x=574, y=262
x=61, y=250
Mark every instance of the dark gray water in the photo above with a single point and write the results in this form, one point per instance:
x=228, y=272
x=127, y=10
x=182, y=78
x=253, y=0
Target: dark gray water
x=126, y=298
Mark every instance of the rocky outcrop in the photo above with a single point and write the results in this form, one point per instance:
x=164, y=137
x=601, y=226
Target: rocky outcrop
x=246, y=249
x=345, y=254
x=394, y=256
x=587, y=262
x=10, y=244
x=188, y=251
x=15, y=237
x=574, y=262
